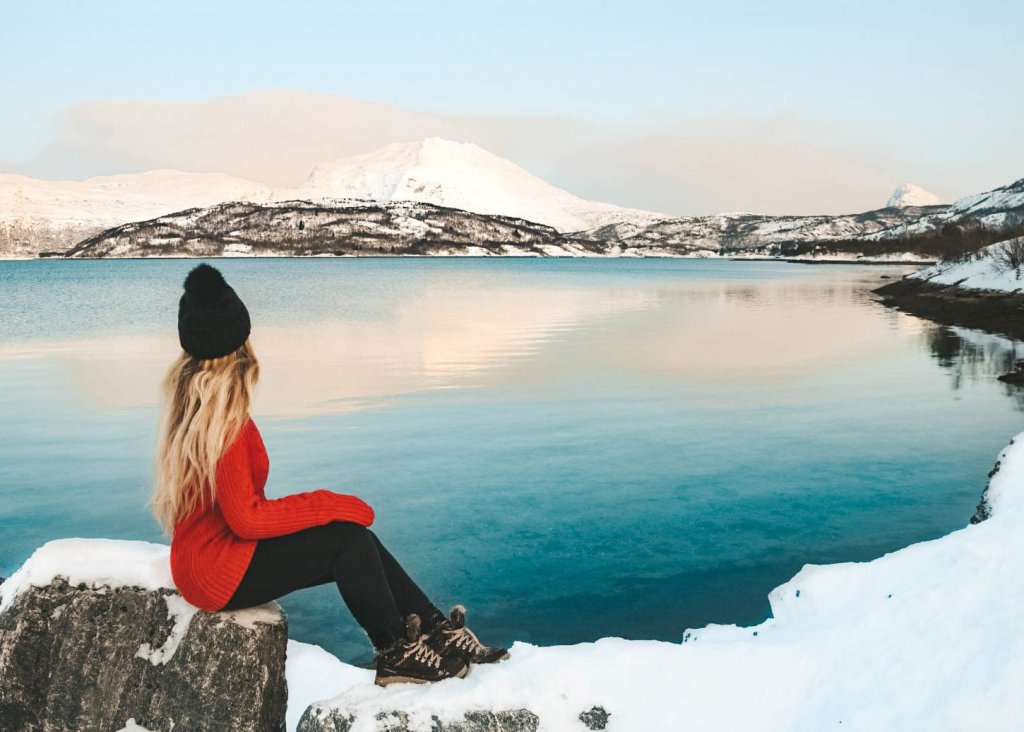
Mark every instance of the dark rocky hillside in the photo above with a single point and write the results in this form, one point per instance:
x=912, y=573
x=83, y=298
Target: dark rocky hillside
x=746, y=233
x=359, y=228
x=303, y=228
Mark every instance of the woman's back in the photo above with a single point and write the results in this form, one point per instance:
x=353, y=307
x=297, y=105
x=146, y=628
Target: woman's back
x=212, y=547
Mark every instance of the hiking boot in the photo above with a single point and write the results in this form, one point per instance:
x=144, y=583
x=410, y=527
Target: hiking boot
x=412, y=660
x=450, y=638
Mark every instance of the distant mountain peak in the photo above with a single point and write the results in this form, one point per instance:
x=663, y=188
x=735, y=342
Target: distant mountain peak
x=459, y=175
x=909, y=194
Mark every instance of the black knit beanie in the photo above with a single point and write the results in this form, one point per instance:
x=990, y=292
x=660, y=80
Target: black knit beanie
x=212, y=321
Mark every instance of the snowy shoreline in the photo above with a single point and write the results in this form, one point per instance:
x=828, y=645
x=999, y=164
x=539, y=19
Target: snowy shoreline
x=926, y=637
x=975, y=293
x=824, y=259
x=980, y=271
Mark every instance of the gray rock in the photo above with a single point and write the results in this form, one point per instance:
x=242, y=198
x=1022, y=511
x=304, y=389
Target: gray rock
x=325, y=719
x=91, y=658
x=984, y=510
x=595, y=718
x=513, y=720
x=318, y=719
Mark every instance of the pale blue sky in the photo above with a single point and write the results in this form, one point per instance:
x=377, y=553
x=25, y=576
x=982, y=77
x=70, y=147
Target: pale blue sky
x=929, y=87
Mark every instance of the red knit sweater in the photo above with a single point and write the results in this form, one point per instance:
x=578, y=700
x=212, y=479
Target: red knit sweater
x=212, y=547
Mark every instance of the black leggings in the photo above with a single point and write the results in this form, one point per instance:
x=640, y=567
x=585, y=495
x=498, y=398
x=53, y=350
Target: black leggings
x=373, y=584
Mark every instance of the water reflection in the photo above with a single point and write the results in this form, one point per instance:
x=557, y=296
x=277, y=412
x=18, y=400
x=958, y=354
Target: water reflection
x=757, y=332
x=450, y=330
x=969, y=356
x=447, y=337
x=438, y=339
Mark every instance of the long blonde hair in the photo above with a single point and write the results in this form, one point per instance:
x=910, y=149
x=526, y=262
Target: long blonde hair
x=205, y=405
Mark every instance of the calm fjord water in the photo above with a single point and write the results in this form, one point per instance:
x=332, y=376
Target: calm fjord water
x=573, y=449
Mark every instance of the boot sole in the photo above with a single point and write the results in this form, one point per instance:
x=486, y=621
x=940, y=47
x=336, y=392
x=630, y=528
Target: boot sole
x=386, y=680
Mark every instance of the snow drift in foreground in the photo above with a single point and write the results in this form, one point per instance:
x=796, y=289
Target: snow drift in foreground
x=980, y=272
x=930, y=637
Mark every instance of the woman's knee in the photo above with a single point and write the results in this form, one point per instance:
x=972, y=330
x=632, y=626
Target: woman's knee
x=347, y=527
x=348, y=531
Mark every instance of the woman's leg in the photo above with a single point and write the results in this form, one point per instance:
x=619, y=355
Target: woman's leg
x=341, y=551
x=408, y=596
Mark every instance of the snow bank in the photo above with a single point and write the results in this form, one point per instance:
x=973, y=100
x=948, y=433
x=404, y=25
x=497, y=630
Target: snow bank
x=930, y=637
x=314, y=674
x=978, y=273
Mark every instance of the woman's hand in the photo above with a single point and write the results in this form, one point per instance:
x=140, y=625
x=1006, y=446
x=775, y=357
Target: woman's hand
x=354, y=509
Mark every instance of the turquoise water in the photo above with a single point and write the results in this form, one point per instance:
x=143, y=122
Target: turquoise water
x=573, y=449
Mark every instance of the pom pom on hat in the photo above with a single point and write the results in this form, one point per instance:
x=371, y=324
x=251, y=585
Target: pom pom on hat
x=212, y=320
x=205, y=283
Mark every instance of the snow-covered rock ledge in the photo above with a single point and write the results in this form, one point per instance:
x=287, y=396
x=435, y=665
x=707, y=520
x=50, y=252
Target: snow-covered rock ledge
x=94, y=637
x=930, y=637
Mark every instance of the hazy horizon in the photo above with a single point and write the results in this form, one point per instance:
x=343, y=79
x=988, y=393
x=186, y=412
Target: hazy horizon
x=790, y=109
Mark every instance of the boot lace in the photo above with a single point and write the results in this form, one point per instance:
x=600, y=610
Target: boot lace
x=420, y=651
x=466, y=640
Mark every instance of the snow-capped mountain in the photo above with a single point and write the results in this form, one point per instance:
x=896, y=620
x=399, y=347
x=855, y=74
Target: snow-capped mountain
x=910, y=195
x=1000, y=208
x=747, y=233
x=41, y=214
x=459, y=175
x=133, y=196
x=352, y=228
x=453, y=177
x=888, y=232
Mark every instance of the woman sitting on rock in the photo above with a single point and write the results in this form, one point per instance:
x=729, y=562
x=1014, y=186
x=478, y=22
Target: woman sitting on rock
x=233, y=548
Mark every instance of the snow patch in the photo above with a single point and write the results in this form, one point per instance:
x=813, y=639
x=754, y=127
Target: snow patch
x=180, y=613
x=249, y=617
x=93, y=562
x=313, y=674
x=980, y=272
x=132, y=726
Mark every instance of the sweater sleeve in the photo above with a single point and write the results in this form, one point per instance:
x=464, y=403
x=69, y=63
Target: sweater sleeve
x=252, y=516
